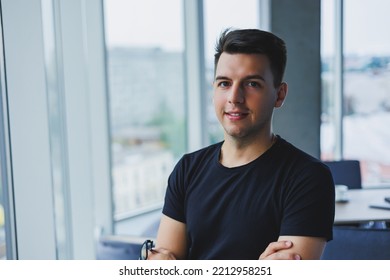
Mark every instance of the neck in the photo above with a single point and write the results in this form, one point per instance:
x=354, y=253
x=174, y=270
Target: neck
x=237, y=152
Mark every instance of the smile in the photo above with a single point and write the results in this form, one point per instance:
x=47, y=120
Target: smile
x=236, y=115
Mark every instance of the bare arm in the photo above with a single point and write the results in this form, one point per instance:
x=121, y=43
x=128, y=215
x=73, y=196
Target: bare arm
x=172, y=244
x=294, y=248
x=309, y=248
x=171, y=240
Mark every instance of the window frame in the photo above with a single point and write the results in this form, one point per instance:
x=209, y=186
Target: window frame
x=5, y=162
x=87, y=135
x=89, y=208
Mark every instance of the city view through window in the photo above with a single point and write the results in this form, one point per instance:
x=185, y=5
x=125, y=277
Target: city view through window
x=366, y=77
x=147, y=123
x=146, y=97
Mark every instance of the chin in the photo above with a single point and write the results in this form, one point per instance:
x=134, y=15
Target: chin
x=235, y=133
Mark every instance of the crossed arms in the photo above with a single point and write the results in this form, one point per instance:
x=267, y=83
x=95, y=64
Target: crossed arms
x=172, y=244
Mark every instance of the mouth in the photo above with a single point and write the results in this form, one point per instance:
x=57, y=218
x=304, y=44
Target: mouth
x=236, y=115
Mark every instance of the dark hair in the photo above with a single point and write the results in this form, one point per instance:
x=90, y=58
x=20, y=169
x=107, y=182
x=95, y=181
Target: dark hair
x=254, y=41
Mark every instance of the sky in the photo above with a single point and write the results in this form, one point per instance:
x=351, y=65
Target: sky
x=366, y=25
x=160, y=23
x=144, y=23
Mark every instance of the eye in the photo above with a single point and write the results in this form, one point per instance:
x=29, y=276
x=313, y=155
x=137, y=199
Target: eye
x=223, y=84
x=253, y=84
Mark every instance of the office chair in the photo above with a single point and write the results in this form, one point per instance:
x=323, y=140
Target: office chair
x=346, y=172
x=351, y=243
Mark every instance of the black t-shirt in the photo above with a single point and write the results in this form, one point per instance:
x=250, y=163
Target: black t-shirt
x=234, y=213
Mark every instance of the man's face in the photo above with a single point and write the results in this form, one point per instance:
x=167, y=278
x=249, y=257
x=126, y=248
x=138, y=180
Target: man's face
x=244, y=95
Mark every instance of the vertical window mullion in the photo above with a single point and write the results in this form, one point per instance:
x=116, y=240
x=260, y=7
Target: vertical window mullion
x=338, y=78
x=195, y=80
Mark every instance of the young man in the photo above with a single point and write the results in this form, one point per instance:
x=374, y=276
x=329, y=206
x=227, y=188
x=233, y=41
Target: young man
x=254, y=195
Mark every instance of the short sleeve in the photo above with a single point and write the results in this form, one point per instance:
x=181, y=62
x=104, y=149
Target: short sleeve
x=175, y=194
x=309, y=203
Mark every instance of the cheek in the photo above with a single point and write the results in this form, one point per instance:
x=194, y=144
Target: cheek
x=218, y=101
x=261, y=104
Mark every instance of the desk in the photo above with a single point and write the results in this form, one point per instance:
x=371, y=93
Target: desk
x=357, y=209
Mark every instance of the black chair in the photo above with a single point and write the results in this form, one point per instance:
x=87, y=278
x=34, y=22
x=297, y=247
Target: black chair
x=350, y=243
x=346, y=172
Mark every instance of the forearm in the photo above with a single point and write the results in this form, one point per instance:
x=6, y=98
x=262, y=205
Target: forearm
x=171, y=238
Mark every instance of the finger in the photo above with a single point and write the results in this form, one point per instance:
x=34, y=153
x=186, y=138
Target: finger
x=159, y=251
x=274, y=247
x=160, y=254
x=283, y=256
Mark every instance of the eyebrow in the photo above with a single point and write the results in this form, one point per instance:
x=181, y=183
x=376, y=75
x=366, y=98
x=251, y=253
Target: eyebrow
x=250, y=77
x=221, y=78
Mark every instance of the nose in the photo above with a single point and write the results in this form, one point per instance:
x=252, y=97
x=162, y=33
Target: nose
x=236, y=95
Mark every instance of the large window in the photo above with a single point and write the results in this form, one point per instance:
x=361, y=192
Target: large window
x=145, y=50
x=365, y=90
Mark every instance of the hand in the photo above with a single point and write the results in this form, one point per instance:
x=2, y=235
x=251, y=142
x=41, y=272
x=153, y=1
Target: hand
x=274, y=251
x=160, y=254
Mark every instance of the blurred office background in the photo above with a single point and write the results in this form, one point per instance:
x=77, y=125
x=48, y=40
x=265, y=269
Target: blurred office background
x=99, y=99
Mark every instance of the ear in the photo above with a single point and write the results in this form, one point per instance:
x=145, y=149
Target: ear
x=281, y=95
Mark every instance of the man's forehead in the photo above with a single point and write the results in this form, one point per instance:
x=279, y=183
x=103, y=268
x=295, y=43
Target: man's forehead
x=239, y=63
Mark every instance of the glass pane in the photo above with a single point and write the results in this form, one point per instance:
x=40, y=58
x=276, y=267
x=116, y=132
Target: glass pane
x=367, y=88
x=145, y=50
x=219, y=15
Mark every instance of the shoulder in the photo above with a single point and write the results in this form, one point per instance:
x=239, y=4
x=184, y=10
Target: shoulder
x=299, y=166
x=298, y=157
